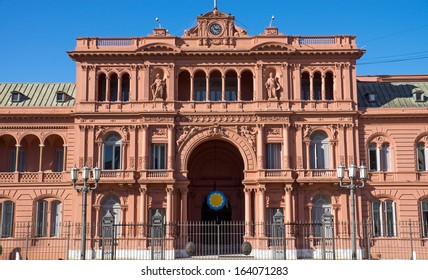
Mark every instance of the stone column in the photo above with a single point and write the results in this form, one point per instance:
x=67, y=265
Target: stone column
x=192, y=88
x=107, y=88
x=17, y=158
x=260, y=146
x=288, y=203
x=143, y=208
x=144, y=148
x=323, y=87
x=248, y=211
x=207, y=87
x=223, y=88
x=286, y=153
x=119, y=88
x=311, y=87
x=171, y=147
x=100, y=154
x=183, y=191
x=239, y=94
x=261, y=209
x=308, y=155
x=64, y=158
x=169, y=191
x=133, y=80
x=41, y=157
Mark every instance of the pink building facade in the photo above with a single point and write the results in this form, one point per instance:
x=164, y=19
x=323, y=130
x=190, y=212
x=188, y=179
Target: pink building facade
x=265, y=120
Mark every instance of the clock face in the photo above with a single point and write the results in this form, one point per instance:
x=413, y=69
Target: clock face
x=215, y=29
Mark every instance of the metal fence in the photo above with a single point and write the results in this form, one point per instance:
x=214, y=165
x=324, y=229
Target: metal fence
x=226, y=240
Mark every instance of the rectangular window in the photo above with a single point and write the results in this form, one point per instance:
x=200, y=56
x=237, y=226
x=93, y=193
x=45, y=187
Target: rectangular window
x=424, y=218
x=6, y=219
x=108, y=157
x=200, y=95
x=384, y=219
x=273, y=156
x=41, y=215
x=421, y=157
x=373, y=163
x=158, y=158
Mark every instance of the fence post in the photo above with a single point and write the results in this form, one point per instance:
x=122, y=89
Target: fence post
x=27, y=239
x=411, y=240
x=68, y=240
x=368, y=240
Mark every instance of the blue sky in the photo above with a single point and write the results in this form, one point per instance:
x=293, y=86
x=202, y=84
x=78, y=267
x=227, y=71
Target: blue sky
x=35, y=34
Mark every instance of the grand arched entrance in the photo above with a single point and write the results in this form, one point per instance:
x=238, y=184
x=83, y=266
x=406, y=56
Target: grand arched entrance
x=215, y=169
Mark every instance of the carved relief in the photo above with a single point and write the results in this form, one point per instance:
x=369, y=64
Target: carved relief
x=182, y=132
x=217, y=130
x=250, y=134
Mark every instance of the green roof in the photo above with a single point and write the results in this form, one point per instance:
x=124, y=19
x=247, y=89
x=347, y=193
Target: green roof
x=37, y=94
x=392, y=94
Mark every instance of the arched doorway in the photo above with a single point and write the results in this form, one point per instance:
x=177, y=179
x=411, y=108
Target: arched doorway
x=215, y=170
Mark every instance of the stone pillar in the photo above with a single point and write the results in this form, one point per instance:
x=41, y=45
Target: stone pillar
x=311, y=87
x=260, y=146
x=119, y=88
x=299, y=146
x=223, y=88
x=308, y=155
x=261, y=209
x=285, y=83
x=323, y=87
x=41, y=157
x=143, y=208
x=183, y=191
x=171, y=147
x=207, y=87
x=100, y=154
x=248, y=211
x=17, y=157
x=239, y=94
x=133, y=80
x=288, y=203
x=169, y=191
x=64, y=158
x=258, y=86
x=192, y=88
x=107, y=88
x=286, y=153
x=144, y=147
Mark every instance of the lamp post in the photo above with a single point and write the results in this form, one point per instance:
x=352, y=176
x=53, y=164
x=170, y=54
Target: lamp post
x=96, y=173
x=352, y=174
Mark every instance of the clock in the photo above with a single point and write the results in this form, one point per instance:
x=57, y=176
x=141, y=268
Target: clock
x=215, y=29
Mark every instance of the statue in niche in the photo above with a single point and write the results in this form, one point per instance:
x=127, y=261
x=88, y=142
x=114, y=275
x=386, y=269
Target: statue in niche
x=157, y=87
x=272, y=86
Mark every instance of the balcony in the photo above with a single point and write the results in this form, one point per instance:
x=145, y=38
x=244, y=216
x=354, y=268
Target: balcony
x=31, y=177
x=317, y=175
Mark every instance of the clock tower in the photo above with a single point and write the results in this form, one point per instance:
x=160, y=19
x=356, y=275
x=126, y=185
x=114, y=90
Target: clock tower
x=216, y=28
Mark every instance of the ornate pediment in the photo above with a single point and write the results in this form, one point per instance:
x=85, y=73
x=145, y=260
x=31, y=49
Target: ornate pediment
x=273, y=47
x=215, y=28
x=159, y=47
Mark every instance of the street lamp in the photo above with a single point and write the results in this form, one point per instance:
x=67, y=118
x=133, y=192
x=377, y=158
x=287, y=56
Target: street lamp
x=352, y=174
x=96, y=173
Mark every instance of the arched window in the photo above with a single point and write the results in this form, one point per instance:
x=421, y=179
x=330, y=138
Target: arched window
x=215, y=86
x=111, y=204
x=424, y=217
x=200, y=86
x=113, y=87
x=6, y=218
x=184, y=86
x=48, y=213
x=320, y=205
x=305, y=86
x=329, y=86
x=102, y=85
x=379, y=157
x=112, y=152
x=384, y=220
x=317, y=86
x=231, y=86
x=247, y=86
x=125, y=87
x=319, y=151
x=422, y=157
